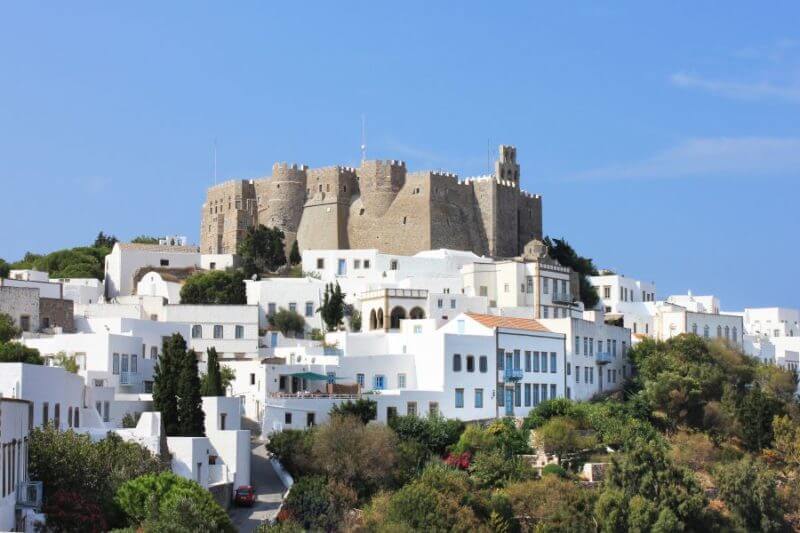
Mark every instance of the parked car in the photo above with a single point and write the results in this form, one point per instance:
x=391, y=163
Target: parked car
x=245, y=496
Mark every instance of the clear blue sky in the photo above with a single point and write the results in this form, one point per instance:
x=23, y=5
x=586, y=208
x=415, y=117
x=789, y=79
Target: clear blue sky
x=665, y=137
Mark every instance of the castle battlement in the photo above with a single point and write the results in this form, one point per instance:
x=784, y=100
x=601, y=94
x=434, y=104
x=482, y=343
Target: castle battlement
x=379, y=204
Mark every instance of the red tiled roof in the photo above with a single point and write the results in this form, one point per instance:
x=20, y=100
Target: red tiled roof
x=494, y=321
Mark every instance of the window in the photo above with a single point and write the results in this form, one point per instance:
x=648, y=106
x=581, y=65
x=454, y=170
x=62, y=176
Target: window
x=529, y=284
x=356, y=263
x=401, y=381
x=217, y=331
x=411, y=408
x=478, y=398
x=543, y=391
x=134, y=363
x=705, y=331
x=309, y=308
x=106, y=411
x=483, y=290
x=591, y=375
x=577, y=374
x=311, y=419
x=527, y=361
x=552, y=362
x=379, y=382
x=535, y=394
x=606, y=291
x=728, y=333
x=586, y=374
x=360, y=380
x=320, y=263
x=527, y=395
x=25, y=322
x=115, y=364
x=293, y=307
x=459, y=398
x=46, y=413
x=417, y=330
x=197, y=331
x=500, y=358
x=457, y=362
x=483, y=364
x=76, y=419
x=239, y=332
x=287, y=418
x=433, y=409
x=393, y=264
x=366, y=263
x=452, y=303
x=585, y=346
x=470, y=363
x=544, y=361
x=544, y=311
x=545, y=286
x=440, y=303
x=736, y=338
x=577, y=345
x=569, y=369
x=517, y=394
x=164, y=262
x=552, y=391
x=252, y=379
x=153, y=352
x=44, y=323
x=535, y=361
x=391, y=413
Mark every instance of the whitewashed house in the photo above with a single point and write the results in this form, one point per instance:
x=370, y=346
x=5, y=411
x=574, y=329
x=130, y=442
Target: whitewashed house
x=16, y=422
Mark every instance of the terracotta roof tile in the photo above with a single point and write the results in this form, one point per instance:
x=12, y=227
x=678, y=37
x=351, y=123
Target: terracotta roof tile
x=494, y=321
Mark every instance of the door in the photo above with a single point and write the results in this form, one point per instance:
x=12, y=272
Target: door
x=509, y=402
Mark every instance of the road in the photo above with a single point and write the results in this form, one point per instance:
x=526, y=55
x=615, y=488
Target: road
x=269, y=490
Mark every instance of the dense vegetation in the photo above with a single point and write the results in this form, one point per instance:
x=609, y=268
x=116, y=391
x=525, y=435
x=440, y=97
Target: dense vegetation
x=12, y=351
x=177, y=389
x=214, y=287
x=703, y=438
x=561, y=251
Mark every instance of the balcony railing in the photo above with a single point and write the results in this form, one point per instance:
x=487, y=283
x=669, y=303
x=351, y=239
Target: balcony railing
x=512, y=374
x=313, y=395
x=29, y=494
x=603, y=358
x=129, y=378
x=562, y=297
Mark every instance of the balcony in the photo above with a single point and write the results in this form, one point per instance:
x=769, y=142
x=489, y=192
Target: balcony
x=512, y=374
x=29, y=494
x=129, y=378
x=603, y=358
x=562, y=298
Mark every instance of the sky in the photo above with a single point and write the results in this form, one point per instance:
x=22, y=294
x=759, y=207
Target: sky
x=664, y=137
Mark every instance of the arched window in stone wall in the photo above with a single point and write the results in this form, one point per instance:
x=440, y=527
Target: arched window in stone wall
x=705, y=331
x=397, y=314
x=416, y=313
x=727, y=333
x=373, y=320
x=735, y=336
x=719, y=332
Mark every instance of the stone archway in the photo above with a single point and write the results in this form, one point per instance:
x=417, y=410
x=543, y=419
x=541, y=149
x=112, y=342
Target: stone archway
x=380, y=319
x=416, y=313
x=373, y=320
x=397, y=314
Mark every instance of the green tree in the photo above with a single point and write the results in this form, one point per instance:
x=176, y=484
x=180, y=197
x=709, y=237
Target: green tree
x=104, y=241
x=287, y=321
x=493, y=469
x=81, y=262
x=5, y=268
x=67, y=362
x=191, y=418
x=71, y=462
x=551, y=504
x=8, y=330
x=292, y=447
x=294, y=256
x=435, y=433
x=786, y=433
x=508, y=438
x=310, y=504
x=332, y=309
x=355, y=321
x=363, y=409
x=262, y=250
x=216, y=287
x=354, y=455
x=145, y=239
x=14, y=352
x=165, y=382
x=669, y=494
x=164, y=494
x=562, y=437
x=755, y=413
x=561, y=251
x=749, y=489
x=212, y=380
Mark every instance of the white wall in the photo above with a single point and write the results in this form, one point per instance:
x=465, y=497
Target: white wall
x=124, y=260
x=227, y=316
x=14, y=430
x=304, y=295
x=55, y=387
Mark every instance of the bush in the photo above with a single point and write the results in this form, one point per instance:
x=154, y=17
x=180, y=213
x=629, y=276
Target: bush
x=554, y=470
x=749, y=489
x=437, y=434
x=70, y=511
x=165, y=495
x=214, y=287
x=287, y=321
x=14, y=352
x=551, y=504
x=494, y=469
x=8, y=330
x=309, y=504
x=364, y=409
x=292, y=447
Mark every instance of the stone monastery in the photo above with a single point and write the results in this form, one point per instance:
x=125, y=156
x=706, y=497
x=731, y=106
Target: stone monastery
x=379, y=205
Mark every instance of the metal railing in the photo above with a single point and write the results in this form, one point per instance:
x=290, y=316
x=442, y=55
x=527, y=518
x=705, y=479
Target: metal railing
x=313, y=395
x=562, y=297
x=512, y=374
x=603, y=358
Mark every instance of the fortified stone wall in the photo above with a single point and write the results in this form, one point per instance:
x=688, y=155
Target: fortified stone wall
x=378, y=205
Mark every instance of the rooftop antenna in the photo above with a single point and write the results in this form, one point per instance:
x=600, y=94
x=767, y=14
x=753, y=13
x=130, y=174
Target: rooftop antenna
x=363, y=138
x=215, y=161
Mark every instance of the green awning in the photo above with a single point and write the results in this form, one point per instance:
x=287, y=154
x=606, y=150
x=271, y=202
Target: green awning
x=311, y=376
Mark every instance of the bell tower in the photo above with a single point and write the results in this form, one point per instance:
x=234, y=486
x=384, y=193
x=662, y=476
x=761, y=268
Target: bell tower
x=506, y=167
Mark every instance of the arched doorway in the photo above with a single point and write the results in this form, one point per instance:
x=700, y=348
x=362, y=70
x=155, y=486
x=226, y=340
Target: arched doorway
x=373, y=320
x=397, y=314
x=380, y=319
x=416, y=313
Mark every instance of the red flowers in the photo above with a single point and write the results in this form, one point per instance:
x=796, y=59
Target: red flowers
x=460, y=461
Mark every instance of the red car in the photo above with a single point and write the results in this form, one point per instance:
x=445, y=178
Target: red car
x=245, y=496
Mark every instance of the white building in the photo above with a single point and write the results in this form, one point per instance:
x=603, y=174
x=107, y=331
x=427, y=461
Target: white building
x=126, y=259
x=301, y=295
x=231, y=329
x=15, y=426
x=596, y=354
x=81, y=290
x=673, y=319
x=773, y=335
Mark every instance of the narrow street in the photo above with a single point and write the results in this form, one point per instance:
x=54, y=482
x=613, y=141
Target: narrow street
x=268, y=489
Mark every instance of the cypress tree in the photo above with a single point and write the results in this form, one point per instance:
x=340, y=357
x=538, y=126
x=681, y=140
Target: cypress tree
x=212, y=381
x=294, y=255
x=165, y=382
x=190, y=404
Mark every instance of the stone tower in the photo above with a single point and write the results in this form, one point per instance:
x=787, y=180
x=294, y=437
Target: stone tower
x=279, y=197
x=506, y=167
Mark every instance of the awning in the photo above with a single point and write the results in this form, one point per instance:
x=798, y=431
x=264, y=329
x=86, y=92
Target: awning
x=313, y=376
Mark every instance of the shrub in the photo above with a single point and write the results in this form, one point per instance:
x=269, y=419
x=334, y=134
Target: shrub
x=14, y=352
x=287, y=321
x=749, y=489
x=165, y=494
x=364, y=409
x=493, y=469
x=214, y=287
x=309, y=504
x=554, y=470
x=292, y=447
x=70, y=511
x=437, y=434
